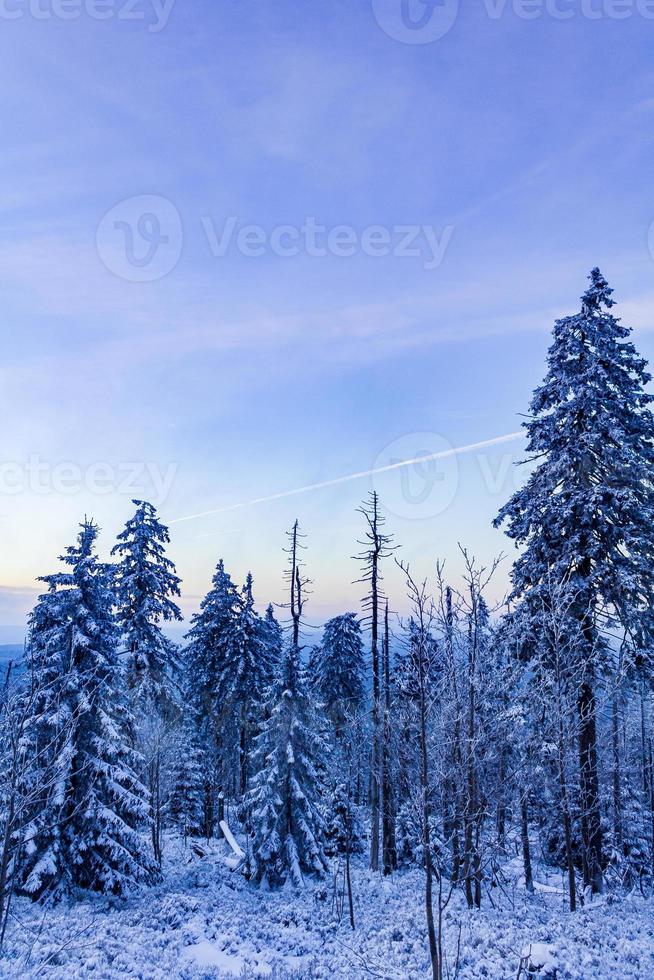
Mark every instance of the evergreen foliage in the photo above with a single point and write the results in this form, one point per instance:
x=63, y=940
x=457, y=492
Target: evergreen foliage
x=86, y=830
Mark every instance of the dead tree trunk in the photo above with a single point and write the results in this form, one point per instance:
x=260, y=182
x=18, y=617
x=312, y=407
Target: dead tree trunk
x=389, y=849
x=435, y=940
x=567, y=821
x=376, y=544
x=526, y=848
x=591, y=826
x=452, y=794
x=616, y=767
x=470, y=810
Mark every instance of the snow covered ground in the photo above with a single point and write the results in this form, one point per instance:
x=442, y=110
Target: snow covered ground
x=204, y=921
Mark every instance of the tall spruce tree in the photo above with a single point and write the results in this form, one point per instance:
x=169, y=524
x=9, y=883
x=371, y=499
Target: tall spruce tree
x=586, y=514
x=337, y=669
x=273, y=637
x=211, y=642
x=287, y=788
x=146, y=581
x=291, y=753
x=84, y=831
x=186, y=803
x=245, y=675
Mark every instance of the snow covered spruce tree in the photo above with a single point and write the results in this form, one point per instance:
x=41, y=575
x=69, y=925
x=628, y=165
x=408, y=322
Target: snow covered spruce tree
x=290, y=759
x=337, y=670
x=211, y=641
x=586, y=514
x=186, y=802
x=146, y=580
x=84, y=828
x=273, y=637
x=244, y=678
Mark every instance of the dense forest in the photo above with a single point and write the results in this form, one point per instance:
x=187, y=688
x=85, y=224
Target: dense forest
x=450, y=742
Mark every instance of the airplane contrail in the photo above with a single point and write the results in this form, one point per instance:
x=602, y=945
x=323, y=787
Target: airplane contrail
x=443, y=454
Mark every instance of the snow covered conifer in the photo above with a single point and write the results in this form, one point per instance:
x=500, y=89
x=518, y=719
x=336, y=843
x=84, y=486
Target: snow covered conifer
x=145, y=583
x=338, y=669
x=286, y=791
x=273, y=639
x=211, y=640
x=186, y=802
x=290, y=758
x=343, y=832
x=586, y=514
x=243, y=674
x=84, y=830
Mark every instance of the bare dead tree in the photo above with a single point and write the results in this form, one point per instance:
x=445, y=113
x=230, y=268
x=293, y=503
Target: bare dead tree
x=477, y=616
x=423, y=613
x=387, y=782
x=377, y=546
x=297, y=582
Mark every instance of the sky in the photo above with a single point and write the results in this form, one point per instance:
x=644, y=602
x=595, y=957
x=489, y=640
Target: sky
x=250, y=247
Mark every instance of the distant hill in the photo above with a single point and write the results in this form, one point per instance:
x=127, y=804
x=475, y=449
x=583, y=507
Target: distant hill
x=12, y=634
x=11, y=651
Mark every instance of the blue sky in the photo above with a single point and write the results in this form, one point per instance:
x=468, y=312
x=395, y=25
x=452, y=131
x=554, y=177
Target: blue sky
x=523, y=145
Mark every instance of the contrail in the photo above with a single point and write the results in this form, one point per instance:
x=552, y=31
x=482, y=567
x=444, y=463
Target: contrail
x=444, y=454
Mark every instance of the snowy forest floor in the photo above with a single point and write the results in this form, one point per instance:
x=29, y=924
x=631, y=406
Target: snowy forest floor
x=203, y=921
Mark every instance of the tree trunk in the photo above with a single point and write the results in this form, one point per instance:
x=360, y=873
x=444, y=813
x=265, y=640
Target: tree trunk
x=155, y=796
x=526, y=847
x=426, y=817
x=243, y=753
x=375, y=756
x=591, y=826
x=451, y=792
x=389, y=849
x=208, y=810
x=470, y=810
x=567, y=822
x=348, y=881
x=617, y=774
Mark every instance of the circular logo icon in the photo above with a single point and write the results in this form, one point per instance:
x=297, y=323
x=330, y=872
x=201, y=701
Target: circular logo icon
x=415, y=21
x=140, y=239
x=417, y=476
